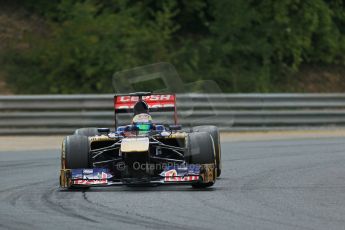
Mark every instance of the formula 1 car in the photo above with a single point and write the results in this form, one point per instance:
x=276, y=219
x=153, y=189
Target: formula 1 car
x=141, y=153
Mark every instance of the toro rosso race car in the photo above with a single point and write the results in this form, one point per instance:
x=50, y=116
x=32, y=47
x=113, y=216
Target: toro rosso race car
x=142, y=152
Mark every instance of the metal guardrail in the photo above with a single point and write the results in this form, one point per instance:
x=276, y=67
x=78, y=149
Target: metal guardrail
x=62, y=114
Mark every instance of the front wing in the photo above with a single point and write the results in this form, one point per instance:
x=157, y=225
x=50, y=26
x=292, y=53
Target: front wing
x=173, y=175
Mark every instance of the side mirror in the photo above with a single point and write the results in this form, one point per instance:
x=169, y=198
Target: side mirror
x=175, y=127
x=103, y=130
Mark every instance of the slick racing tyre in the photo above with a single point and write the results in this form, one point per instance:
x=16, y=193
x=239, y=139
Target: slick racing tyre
x=201, y=151
x=89, y=132
x=213, y=131
x=76, y=152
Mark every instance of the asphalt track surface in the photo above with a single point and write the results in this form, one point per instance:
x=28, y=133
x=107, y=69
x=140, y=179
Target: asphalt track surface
x=281, y=184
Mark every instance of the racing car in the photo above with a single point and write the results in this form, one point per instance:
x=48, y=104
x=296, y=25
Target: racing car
x=142, y=152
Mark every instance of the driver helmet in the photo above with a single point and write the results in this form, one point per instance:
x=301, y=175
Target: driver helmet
x=142, y=120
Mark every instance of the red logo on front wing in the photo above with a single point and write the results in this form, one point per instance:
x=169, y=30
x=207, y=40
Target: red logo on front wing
x=102, y=180
x=180, y=178
x=171, y=175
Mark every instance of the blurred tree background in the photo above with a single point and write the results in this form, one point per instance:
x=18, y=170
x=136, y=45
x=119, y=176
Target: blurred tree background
x=63, y=46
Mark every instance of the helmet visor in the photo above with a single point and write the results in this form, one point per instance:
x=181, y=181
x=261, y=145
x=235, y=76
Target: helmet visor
x=144, y=126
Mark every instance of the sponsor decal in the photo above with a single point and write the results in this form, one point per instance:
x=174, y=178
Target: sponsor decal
x=102, y=180
x=153, y=101
x=78, y=176
x=182, y=170
x=179, y=178
x=90, y=176
x=170, y=173
x=181, y=173
x=151, y=98
x=87, y=171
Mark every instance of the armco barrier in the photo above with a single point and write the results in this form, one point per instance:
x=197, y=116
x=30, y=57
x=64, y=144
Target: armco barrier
x=61, y=114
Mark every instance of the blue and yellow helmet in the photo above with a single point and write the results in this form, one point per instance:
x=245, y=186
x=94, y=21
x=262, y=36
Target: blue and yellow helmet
x=143, y=122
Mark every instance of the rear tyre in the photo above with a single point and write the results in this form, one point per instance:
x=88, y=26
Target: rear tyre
x=213, y=131
x=88, y=132
x=201, y=151
x=76, y=152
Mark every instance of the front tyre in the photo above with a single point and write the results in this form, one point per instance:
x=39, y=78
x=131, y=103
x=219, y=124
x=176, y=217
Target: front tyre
x=213, y=131
x=202, y=151
x=75, y=153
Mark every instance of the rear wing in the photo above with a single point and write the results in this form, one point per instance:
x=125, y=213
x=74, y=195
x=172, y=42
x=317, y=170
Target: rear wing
x=124, y=103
